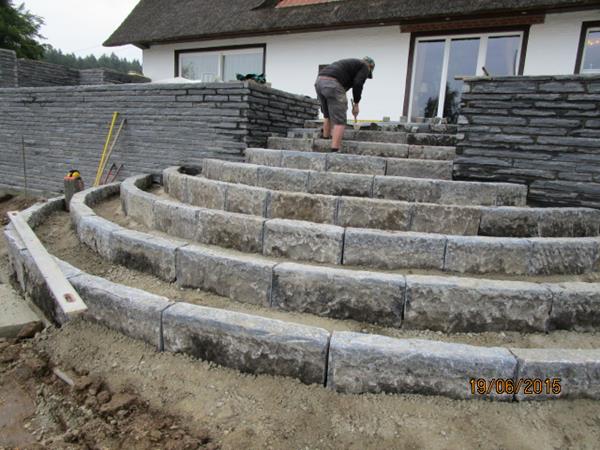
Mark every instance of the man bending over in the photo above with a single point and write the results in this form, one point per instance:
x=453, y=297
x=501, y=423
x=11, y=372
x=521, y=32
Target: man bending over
x=332, y=84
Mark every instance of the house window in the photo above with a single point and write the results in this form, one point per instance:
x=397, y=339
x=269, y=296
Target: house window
x=439, y=60
x=210, y=65
x=588, y=57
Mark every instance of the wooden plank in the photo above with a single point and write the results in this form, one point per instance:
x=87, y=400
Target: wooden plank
x=63, y=292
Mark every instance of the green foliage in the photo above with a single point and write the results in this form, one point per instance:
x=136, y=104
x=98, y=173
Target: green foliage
x=111, y=61
x=19, y=30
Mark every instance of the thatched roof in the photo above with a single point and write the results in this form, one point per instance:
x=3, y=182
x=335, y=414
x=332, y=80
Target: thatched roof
x=155, y=21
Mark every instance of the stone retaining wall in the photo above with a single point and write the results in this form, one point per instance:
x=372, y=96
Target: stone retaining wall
x=66, y=127
x=342, y=361
x=8, y=69
x=541, y=131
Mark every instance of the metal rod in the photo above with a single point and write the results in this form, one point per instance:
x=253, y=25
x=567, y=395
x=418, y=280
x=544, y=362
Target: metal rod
x=24, y=165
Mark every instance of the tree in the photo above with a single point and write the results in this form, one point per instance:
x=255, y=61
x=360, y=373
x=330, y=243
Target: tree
x=19, y=30
x=112, y=61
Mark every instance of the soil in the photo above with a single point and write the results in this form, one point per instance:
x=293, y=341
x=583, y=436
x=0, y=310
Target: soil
x=168, y=399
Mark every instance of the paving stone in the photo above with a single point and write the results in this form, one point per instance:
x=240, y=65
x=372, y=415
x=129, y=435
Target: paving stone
x=373, y=213
x=576, y=306
x=246, y=200
x=230, y=230
x=304, y=161
x=248, y=343
x=564, y=256
x=393, y=250
x=298, y=206
x=415, y=168
x=363, y=363
x=338, y=293
x=303, y=241
x=457, y=220
x=366, y=165
x=263, y=157
x=578, y=371
x=240, y=277
x=346, y=184
x=133, y=312
x=175, y=219
x=470, y=305
x=146, y=253
x=282, y=179
x=205, y=193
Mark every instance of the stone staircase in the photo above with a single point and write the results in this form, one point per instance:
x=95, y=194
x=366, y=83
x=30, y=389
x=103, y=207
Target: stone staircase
x=378, y=234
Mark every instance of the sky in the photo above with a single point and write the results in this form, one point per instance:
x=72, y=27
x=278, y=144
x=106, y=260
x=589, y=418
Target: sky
x=81, y=26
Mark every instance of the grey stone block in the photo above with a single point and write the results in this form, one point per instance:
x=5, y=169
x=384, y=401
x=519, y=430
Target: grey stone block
x=248, y=343
x=381, y=149
x=393, y=250
x=37, y=214
x=246, y=200
x=352, y=185
x=130, y=311
x=175, y=219
x=137, y=204
x=576, y=306
x=303, y=241
x=175, y=184
x=452, y=305
x=263, y=157
x=431, y=152
x=373, y=213
x=279, y=143
x=230, y=230
x=577, y=370
x=564, y=256
x=457, y=220
x=96, y=233
x=298, y=206
x=304, y=161
x=282, y=179
x=488, y=255
x=407, y=189
x=338, y=293
x=144, y=252
x=568, y=222
x=366, y=165
x=15, y=246
x=239, y=277
x=509, y=222
x=415, y=168
x=205, y=193
x=363, y=363
x=230, y=172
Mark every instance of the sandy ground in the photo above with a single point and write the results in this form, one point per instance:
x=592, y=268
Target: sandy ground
x=262, y=412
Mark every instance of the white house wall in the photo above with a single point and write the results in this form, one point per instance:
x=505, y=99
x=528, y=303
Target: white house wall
x=292, y=59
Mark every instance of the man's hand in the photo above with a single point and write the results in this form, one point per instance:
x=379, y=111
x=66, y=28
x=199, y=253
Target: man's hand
x=355, y=110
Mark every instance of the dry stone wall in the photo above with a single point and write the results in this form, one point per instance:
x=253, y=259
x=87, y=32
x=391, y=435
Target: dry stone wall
x=541, y=131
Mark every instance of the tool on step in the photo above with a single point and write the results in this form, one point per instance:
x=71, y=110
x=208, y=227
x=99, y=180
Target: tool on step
x=73, y=184
x=112, y=147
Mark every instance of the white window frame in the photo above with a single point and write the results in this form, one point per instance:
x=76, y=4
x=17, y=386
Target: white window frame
x=221, y=60
x=587, y=35
x=481, y=60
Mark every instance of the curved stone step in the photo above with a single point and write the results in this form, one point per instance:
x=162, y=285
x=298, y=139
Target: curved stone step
x=355, y=185
x=382, y=214
x=367, y=165
x=397, y=137
x=381, y=149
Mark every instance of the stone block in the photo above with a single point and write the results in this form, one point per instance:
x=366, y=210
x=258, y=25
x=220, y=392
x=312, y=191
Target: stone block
x=416, y=168
x=576, y=306
x=298, y=206
x=393, y=250
x=465, y=305
x=230, y=172
x=248, y=343
x=206, y=193
x=246, y=200
x=264, y=157
x=138, y=205
x=364, y=363
x=240, y=277
x=569, y=222
x=338, y=293
x=431, y=152
x=373, y=213
x=96, y=233
x=304, y=161
x=129, y=311
x=509, y=222
x=303, y=241
x=352, y=185
x=578, y=371
x=282, y=179
x=381, y=149
x=479, y=254
x=176, y=219
x=230, y=230
x=366, y=165
x=175, y=184
x=564, y=256
x=144, y=252
x=407, y=189
x=278, y=143
x=457, y=220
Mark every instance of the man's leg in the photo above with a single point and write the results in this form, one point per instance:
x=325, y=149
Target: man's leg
x=326, y=128
x=338, y=135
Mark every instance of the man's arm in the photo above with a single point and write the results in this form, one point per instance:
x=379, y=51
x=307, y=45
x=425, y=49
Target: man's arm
x=359, y=82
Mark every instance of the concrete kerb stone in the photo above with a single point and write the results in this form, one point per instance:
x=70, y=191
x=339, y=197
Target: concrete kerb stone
x=362, y=363
x=576, y=306
x=137, y=203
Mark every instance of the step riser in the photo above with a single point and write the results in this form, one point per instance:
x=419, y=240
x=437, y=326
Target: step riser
x=390, y=137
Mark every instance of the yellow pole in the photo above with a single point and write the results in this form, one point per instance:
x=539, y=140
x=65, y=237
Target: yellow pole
x=101, y=164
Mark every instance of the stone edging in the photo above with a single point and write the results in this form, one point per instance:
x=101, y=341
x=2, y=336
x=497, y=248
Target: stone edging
x=438, y=303
x=370, y=186
x=321, y=243
x=342, y=361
